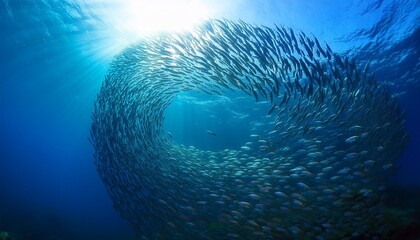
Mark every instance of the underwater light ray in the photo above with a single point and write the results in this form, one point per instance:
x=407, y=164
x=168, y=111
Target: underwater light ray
x=145, y=17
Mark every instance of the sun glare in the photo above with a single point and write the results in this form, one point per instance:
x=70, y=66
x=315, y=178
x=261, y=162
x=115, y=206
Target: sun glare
x=164, y=15
x=127, y=21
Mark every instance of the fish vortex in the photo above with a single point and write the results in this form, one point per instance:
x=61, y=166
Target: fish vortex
x=320, y=174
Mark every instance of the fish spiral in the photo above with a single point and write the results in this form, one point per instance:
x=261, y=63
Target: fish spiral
x=320, y=175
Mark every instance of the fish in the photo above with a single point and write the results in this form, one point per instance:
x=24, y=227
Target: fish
x=211, y=132
x=271, y=109
x=246, y=148
x=281, y=194
x=352, y=139
x=301, y=174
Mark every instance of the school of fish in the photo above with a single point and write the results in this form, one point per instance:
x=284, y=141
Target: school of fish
x=320, y=172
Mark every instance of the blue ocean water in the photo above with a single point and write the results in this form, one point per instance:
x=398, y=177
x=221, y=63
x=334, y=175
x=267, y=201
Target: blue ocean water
x=54, y=56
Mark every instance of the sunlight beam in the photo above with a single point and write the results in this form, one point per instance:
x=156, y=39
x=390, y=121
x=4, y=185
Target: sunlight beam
x=162, y=15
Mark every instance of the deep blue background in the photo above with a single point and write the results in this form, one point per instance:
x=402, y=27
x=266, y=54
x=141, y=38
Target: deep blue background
x=54, y=55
